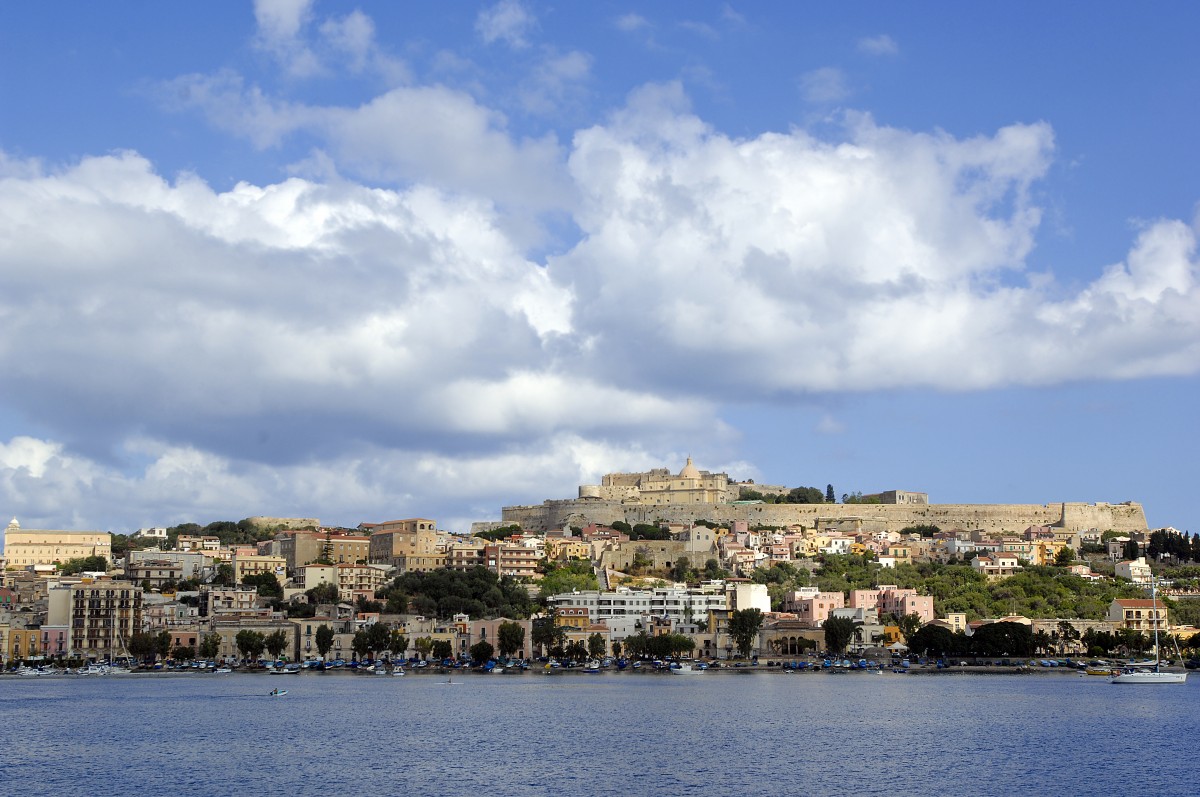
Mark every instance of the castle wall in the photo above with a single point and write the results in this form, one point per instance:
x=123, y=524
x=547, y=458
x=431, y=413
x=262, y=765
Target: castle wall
x=1014, y=518
x=264, y=522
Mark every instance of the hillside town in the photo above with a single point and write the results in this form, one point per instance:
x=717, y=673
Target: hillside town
x=593, y=588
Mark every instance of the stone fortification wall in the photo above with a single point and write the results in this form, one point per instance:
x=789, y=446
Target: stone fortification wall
x=1015, y=518
x=662, y=553
x=264, y=522
x=1127, y=516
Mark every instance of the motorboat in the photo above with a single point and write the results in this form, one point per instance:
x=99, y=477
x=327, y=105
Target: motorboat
x=686, y=669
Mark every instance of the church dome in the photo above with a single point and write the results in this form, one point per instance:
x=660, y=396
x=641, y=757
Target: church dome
x=689, y=471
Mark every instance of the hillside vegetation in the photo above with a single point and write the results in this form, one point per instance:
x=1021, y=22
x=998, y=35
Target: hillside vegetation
x=1036, y=592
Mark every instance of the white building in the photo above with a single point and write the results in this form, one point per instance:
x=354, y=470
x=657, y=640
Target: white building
x=1135, y=570
x=675, y=603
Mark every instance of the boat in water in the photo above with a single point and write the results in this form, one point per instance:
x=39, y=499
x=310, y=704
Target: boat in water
x=686, y=669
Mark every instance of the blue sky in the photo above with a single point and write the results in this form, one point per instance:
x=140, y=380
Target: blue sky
x=385, y=260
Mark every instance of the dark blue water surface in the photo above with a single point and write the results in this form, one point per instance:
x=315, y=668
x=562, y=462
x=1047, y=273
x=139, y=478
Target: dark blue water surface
x=612, y=734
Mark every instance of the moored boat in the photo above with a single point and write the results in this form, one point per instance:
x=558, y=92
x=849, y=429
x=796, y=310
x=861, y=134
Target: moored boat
x=686, y=669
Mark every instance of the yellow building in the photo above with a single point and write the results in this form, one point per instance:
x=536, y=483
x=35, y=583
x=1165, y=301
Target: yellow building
x=252, y=564
x=408, y=545
x=563, y=549
x=25, y=547
x=22, y=643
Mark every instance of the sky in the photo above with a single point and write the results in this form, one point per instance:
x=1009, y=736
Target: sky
x=386, y=260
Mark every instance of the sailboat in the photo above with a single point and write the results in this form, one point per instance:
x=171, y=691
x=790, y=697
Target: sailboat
x=1154, y=674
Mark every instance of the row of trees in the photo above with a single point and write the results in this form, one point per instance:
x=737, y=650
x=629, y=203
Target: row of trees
x=149, y=647
x=443, y=593
x=797, y=495
x=1181, y=547
x=994, y=639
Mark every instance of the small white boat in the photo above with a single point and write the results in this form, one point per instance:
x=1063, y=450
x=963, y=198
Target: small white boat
x=277, y=693
x=222, y=671
x=685, y=669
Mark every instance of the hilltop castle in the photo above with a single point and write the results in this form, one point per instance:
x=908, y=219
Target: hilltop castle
x=694, y=494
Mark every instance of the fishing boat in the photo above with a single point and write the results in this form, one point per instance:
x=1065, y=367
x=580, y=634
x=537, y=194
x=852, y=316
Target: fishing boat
x=686, y=669
x=1152, y=673
x=277, y=693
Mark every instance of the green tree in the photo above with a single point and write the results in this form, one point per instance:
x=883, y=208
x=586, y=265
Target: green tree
x=323, y=593
x=276, y=642
x=1065, y=557
x=935, y=640
x=324, y=639
x=804, y=495
x=511, y=638
x=360, y=644
x=546, y=633
x=1067, y=633
x=326, y=557
x=576, y=650
x=682, y=571
x=568, y=577
x=162, y=644
x=481, y=651
x=379, y=636
x=713, y=570
x=642, y=560
x=423, y=645
x=91, y=564
x=1003, y=639
x=595, y=646
x=909, y=624
x=442, y=649
x=838, y=633
x=210, y=646
x=266, y=583
x=224, y=575
x=830, y=496
x=249, y=643
x=1131, y=550
x=493, y=535
x=183, y=653
x=143, y=646
x=398, y=643
x=744, y=625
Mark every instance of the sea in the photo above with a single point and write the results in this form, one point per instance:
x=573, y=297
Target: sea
x=567, y=734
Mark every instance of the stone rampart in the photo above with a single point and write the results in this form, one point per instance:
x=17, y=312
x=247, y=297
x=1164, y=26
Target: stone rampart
x=263, y=522
x=1014, y=518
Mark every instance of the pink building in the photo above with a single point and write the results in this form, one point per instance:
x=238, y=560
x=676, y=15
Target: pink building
x=54, y=640
x=890, y=599
x=811, y=607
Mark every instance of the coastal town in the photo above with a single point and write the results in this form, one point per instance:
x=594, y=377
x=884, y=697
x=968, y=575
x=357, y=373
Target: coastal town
x=684, y=567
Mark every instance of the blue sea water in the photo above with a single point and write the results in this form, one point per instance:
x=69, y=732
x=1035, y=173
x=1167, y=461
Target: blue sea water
x=753, y=733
